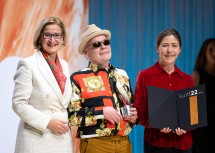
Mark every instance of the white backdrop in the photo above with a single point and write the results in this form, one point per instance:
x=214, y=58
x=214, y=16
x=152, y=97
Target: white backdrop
x=9, y=120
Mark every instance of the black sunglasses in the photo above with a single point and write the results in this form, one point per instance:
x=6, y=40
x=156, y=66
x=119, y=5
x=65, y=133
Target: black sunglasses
x=98, y=44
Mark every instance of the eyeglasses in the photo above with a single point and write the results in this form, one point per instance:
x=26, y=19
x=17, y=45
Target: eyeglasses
x=55, y=35
x=98, y=44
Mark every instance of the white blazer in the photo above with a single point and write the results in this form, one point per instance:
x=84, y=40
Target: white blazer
x=36, y=99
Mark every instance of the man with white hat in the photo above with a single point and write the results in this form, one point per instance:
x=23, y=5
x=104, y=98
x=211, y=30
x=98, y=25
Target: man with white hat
x=100, y=94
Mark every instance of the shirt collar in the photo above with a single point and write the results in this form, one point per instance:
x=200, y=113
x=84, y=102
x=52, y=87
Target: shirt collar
x=95, y=68
x=159, y=69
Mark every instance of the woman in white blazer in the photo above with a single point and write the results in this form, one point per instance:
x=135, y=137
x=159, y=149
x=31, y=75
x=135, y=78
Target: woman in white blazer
x=42, y=93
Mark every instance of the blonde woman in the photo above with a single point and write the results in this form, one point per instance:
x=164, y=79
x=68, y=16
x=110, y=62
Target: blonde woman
x=42, y=92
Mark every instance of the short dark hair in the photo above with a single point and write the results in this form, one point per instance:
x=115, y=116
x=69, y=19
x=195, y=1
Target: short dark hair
x=168, y=32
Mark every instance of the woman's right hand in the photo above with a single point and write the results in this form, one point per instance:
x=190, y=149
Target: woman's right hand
x=166, y=130
x=58, y=127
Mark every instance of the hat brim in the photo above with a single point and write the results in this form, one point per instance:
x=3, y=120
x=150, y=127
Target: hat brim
x=94, y=34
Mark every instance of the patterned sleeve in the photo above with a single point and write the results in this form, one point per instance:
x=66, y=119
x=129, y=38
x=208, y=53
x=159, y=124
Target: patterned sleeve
x=79, y=115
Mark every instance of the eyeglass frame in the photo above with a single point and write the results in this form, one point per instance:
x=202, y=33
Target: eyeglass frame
x=52, y=35
x=99, y=44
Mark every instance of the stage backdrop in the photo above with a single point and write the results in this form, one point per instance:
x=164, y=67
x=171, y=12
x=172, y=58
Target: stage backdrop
x=18, y=22
x=134, y=25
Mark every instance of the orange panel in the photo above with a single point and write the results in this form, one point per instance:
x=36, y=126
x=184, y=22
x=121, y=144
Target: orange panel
x=194, y=110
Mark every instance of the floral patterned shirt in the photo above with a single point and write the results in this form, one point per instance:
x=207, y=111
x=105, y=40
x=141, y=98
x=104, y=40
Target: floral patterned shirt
x=95, y=88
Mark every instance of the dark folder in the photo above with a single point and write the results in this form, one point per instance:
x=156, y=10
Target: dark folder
x=183, y=108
